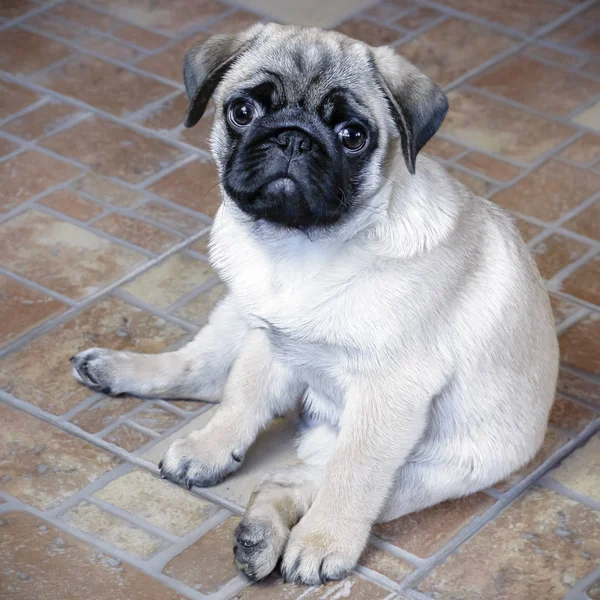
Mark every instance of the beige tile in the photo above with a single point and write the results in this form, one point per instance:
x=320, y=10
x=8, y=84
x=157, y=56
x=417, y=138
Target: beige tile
x=157, y=501
x=497, y=127
x=127, y=438
x=557, y=252
x=137, y=232
x=104, y=412
x=538, y=548
x=169, y=280
x=198, y=308
x=14, y=98
x=351, y=588
x=171, y=217
x=578, y=387
x=38, y=557
x=550, y=191
x=214, y=552
x=114, y=150
x=157, y=419
x=72, y=205
x=24, y=53
x=441, y=148
x=104, y=85
x=22, y=309
x=309, y=12
x=116, y=531
x=580, y=471
x=491, y=167
x=61, y=256
x=107, y=190
x=424, y=533
x=584, y=283
x=590, y=117
x=271, y=588
x=40, y=372
x=580, y=344
x=384, y=562
x=168, y=115
x=42, y=465
x=29, y=173
x=42, y=121
x=593, y=592
x=450, y=49
x=570, y=414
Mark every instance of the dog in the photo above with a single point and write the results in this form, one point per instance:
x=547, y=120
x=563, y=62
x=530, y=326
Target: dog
x=403, y=313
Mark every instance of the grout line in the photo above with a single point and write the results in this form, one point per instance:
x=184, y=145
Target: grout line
x=577, y=316
x=18, y=20
x=577, y=592
x=38, y=288
x=572, y=267
x=549, y=483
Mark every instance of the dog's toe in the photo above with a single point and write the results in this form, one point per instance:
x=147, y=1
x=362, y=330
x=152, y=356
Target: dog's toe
x=257, y=547
x=93, y=368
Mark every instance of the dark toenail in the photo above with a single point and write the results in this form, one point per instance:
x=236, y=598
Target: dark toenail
x=106, y=390
x=189, y=484
x=236, y=457
x=72, y=359
x=160, y=464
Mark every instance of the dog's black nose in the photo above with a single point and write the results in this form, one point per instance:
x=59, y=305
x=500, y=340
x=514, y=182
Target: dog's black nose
x=294, y=141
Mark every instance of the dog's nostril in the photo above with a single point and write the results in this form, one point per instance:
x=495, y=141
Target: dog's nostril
x=296, y=139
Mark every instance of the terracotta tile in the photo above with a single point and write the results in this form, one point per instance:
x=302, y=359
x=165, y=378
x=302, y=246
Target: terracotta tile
x=69, y=203
x=499, y=128
x=111, y=49
x=24, y=53
x=557, y=252
x=441, y=148
x=84, y=16
x=593, y=68
x=491, y=167
x=109, y=191
x=7, y=147
x=569, y=30
x=591, y=14
x=174, y=16
x=157, y=419
x=541, y=545
x=169, y=62
x=528, y=230
x=589, y=44
x=555, y=439
x=526, y=17
x=580, y=344
x=28, y=174
x=55, y=26
x=11, y=9
x=587, y=222
x=113, y=150
x=580, y=471
x=187, y=405
x=234, y=22
x=571, y=415
x=40, y=372
x=41, y=121
x=127, y=438
x=550, y=191
x=50, y=559
x=104, y=85
x=41, y=464
x=213, y=551
x=593, y=592
x=450, y=49
x=424, y=533
x=104, y=412
x=62, y=256
x=475, y=184
x=199, y=135
x=14, y=98
x=419, y=18
x=22, y=308
x=584, y=283
x=538, y=85
x=194, y=185
x=578, y=387
x=562, y=58
x=115, y=531
x=590, y=117
x=369, y=32
x=198, y=308
x=351, y=588
x=562, y=309
x=168, y=281
x=137, y=232
x=171, y=217
x=141, y=37
x=584, y=150
x=159, y=502
x=384, y=562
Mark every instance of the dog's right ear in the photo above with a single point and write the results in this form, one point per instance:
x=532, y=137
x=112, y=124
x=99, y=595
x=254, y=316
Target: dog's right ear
x=206, y=64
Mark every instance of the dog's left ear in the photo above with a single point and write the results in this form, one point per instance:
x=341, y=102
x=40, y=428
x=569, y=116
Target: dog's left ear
x=418, y=106
x=206, y=64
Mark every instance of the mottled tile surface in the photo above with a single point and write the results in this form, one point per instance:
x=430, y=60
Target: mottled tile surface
x=581, y=470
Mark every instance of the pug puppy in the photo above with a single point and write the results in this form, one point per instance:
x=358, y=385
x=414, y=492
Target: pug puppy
x=401, y=311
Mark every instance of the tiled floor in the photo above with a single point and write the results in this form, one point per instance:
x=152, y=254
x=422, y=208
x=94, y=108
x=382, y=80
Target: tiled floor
x=105, y=203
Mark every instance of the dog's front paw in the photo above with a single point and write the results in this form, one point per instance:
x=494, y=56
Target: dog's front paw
x=320, y=551
x=196, y=460
x=98, y=369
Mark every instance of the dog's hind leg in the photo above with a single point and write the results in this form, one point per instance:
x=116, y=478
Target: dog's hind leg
x=197, y=371
x=279, y=502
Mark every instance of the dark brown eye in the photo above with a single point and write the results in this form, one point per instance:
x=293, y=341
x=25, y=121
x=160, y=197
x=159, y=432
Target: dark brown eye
x=353, y=137
x=241, y=113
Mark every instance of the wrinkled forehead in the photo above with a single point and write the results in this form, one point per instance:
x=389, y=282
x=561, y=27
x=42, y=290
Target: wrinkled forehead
x=302, y=66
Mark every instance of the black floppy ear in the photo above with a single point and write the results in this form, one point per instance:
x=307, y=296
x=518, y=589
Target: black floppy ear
x=418, y=106
x=205, y=65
